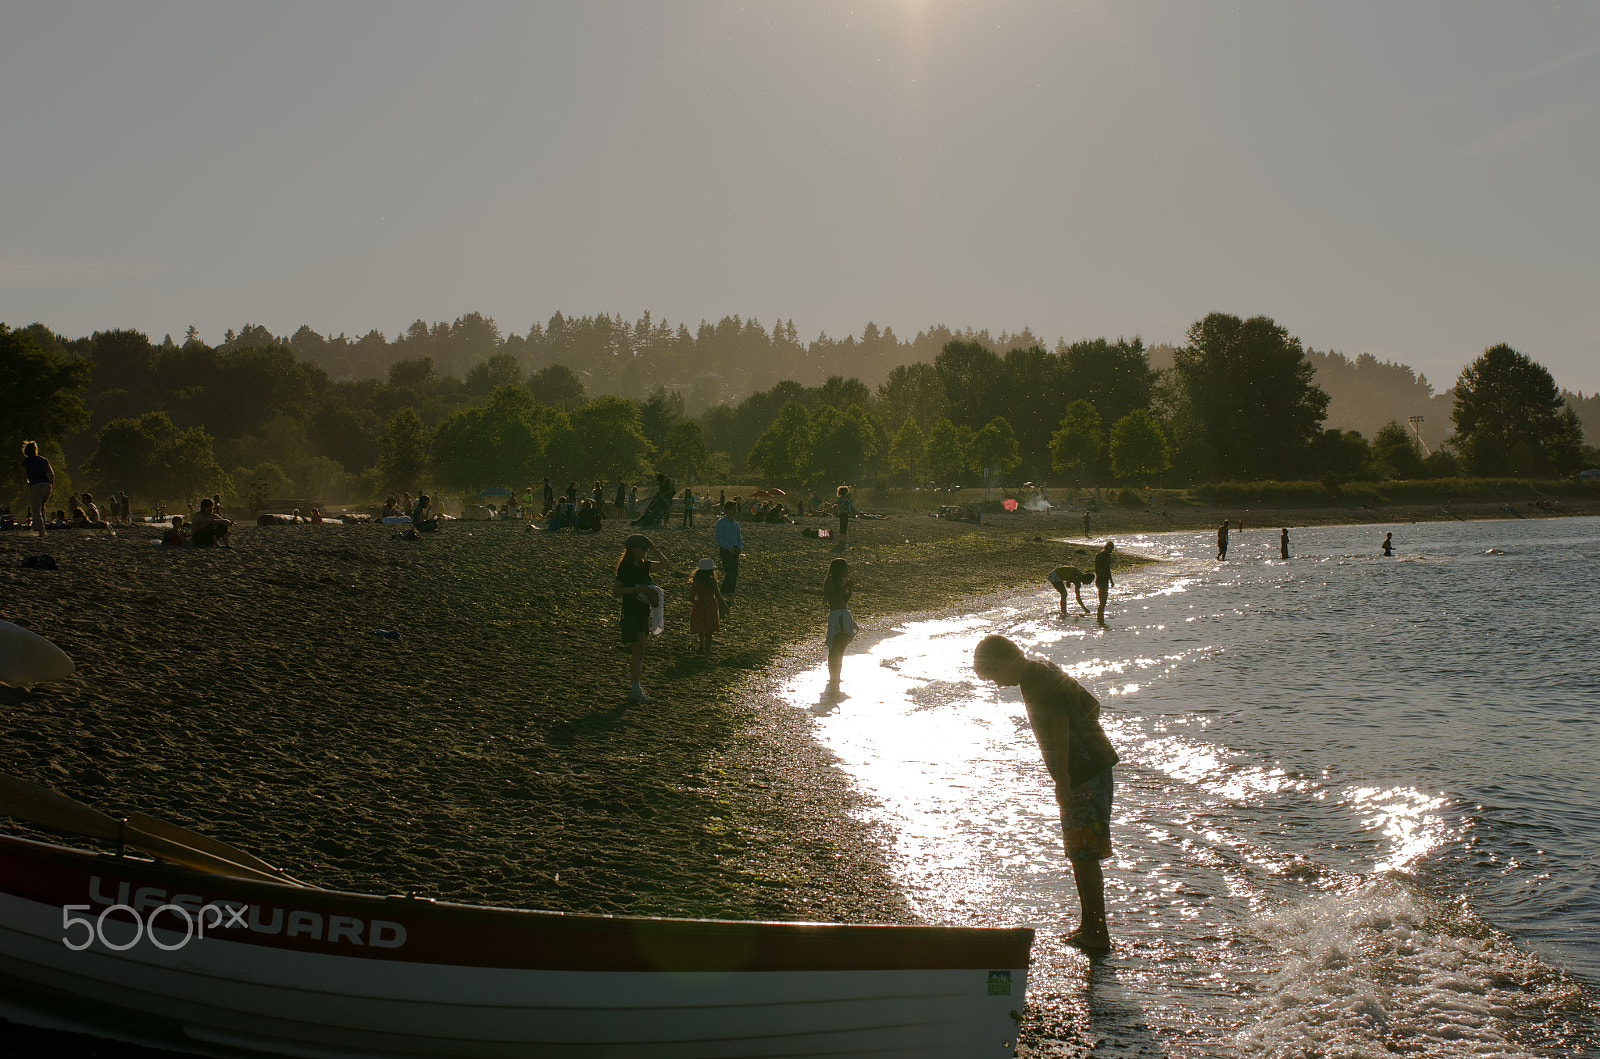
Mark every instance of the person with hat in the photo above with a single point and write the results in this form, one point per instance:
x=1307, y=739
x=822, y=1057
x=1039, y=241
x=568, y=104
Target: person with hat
x=705, y=605
x=638, y=595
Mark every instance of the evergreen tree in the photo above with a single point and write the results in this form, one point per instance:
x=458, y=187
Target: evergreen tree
x=1509, y=417
x=1250, y=390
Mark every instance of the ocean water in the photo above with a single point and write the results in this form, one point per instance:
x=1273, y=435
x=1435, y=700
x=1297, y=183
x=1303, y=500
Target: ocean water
x=1357, y=812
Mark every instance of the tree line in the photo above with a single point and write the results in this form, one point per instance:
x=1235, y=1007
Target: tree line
x=260, y=417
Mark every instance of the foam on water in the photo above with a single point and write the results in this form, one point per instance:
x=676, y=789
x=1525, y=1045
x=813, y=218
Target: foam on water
x=1287, y=881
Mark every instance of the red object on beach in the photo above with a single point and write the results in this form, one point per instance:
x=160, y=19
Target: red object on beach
x=764, y=493
x=1009, y=503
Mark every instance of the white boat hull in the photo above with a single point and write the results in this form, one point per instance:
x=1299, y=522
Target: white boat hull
x=350, y=975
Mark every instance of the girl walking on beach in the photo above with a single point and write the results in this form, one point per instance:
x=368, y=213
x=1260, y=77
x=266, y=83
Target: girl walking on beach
x=638, y=594
x=837, y=589
x=705, y=605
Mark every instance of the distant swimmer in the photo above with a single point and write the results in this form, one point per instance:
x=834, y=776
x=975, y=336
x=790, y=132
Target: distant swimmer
x=1222, y=541
x=1065, y=720
x=1388, y=544
x=1283, y=544
x=1102, y=579
x=1062, y=576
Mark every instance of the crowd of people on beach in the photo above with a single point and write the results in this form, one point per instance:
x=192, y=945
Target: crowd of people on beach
x=712, y=599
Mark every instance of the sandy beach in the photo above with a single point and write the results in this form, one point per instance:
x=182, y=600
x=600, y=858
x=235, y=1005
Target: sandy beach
x=488, y=755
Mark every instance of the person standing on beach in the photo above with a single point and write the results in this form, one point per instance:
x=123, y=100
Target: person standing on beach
x=688, y=508
x=837, y=588
x=846, y=509
x=705, y=605
x=1062, y=576
x=1086, y=522
x=1283, y=544
x=41, y=480
x=1102, y=578
x=730, y=546
x=1388, y=544
x=620, y=503
x=638, y=595
x=1066, y=724
x=1222, y=541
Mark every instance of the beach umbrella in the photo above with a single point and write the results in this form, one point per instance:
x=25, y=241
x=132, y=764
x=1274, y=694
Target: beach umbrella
x=494, y=490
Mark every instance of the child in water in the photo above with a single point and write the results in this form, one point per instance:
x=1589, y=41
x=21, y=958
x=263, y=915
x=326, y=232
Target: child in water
x=705, y=605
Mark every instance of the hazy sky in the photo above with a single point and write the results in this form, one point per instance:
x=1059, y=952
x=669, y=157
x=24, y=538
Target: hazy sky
x=1414, y=180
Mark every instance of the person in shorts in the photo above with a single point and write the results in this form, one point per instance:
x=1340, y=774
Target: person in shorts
x=1062, y=576
x=1066, y=724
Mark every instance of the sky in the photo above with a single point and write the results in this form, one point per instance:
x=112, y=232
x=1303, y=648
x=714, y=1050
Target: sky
x=1416, y=181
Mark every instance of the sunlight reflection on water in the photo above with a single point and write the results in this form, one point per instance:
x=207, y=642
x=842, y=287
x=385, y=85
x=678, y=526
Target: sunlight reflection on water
x=1209, y=839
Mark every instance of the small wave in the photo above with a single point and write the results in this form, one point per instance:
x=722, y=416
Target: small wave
x=1381, y=968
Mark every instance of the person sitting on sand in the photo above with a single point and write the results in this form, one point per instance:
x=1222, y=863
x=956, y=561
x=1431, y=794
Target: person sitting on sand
x=1062, y=576
x=294, y=517
x=1066, y=724
x=391, y=506
x=705, y=605
x=81, y=520
x=423, y=519
x=90, y=508
x=60, y=521
x=837, y=588
x=177, y=536
x=210, y=528
x=316, y=517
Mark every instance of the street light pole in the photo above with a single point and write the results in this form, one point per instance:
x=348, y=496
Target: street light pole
x=1414, y=420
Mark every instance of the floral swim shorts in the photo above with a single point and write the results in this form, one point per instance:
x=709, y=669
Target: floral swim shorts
x=1086, y=819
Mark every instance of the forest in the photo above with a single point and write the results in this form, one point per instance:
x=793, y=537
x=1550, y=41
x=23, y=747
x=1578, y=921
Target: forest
x=458, y=407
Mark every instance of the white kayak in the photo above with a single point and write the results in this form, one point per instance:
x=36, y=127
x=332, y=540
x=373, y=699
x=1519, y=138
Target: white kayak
x=28, y=658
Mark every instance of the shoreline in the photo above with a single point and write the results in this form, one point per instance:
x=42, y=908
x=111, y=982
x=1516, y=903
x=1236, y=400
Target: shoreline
x=488, y=756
